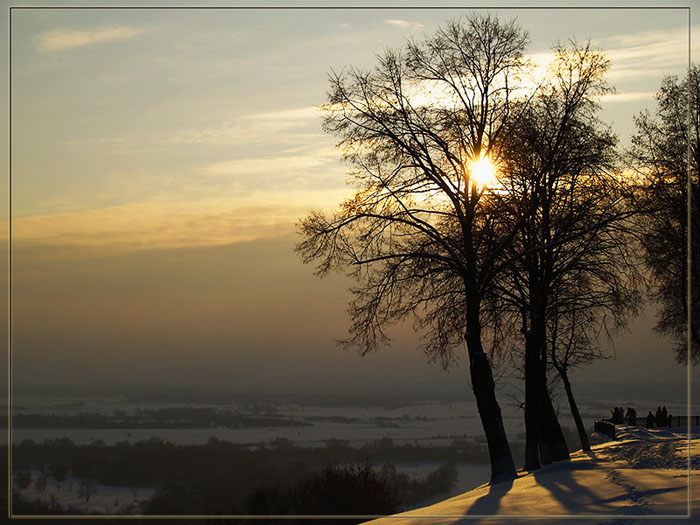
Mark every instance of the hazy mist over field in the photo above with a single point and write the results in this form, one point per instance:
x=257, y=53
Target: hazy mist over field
x=200, y=318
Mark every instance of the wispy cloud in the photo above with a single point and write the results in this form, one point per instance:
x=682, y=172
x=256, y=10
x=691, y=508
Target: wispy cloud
x=405, y=24
x=96, y=141
x=276, y=176
x=277, y=166
x=273, y=151
x=61, y=39
x=155, y=225
x=635, y=57
x=648, y=54
x=646, y=38
x=257, y=128
x=628, y=97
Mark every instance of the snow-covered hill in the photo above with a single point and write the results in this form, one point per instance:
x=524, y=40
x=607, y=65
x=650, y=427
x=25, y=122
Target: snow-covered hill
x=642, y=473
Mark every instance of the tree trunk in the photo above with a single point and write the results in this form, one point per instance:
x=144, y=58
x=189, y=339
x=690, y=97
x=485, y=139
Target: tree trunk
x=543, y=434
x=483, y=385
x=582, y=434
x=544, y=420
x=502, y=466
x=559, y=448
x=532, y=437
x=538, y=432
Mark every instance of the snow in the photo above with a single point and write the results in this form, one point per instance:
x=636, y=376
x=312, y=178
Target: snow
x=425, y=423
x=106, y=499
x=644, y=472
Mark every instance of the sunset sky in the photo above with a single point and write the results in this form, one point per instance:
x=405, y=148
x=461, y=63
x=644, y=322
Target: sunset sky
x=160, y=159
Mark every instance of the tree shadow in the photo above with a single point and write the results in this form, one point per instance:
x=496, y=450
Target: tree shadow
x=565, y=489
x=490, y=502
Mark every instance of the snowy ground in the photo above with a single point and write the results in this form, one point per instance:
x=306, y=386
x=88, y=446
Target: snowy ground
x=642, y=473
x=425, y=423
x=105, y=499
x=428, y=423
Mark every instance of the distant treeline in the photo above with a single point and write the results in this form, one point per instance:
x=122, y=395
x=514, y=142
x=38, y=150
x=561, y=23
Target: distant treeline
x=279, y=477
x=156, y=462
x=166, y=418
x=254, y=416
x=224, y=478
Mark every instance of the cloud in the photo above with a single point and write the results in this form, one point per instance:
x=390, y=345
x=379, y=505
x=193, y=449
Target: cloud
x=628, y=97
x=648, y=54
x=634, y=58
x=305, y=169
x=646, y=38
x=405, y=24
x=276, y=166
x=297, y=123
x=61, y=39
x=96, y=141
x=154, y=225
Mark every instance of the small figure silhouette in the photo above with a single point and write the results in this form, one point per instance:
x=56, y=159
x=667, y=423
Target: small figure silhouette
x=617, y=415
x=659, y=417
x=650, y=420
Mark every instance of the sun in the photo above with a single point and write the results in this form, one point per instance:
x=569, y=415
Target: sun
x=483, y=172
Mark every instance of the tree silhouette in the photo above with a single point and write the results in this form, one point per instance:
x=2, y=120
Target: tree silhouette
x=420, y=235
x=666, y=156
x=571, y=344
x=560, y=172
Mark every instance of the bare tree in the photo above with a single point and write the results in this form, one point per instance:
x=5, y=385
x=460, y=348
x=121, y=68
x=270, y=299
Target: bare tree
x=561, y=174
x=570, y=346
x=420, y=235
x=665, y=153
x=592, y=309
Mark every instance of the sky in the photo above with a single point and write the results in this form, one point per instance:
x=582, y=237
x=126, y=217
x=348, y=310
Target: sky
x=161, y=158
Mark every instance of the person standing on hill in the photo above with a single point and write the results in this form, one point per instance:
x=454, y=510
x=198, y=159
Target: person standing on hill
x=650, y=420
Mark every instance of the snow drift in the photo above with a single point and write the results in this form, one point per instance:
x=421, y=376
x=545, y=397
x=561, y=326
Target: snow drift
x=644, y=472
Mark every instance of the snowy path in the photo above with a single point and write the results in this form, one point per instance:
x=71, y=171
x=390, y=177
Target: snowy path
x=643, y=473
